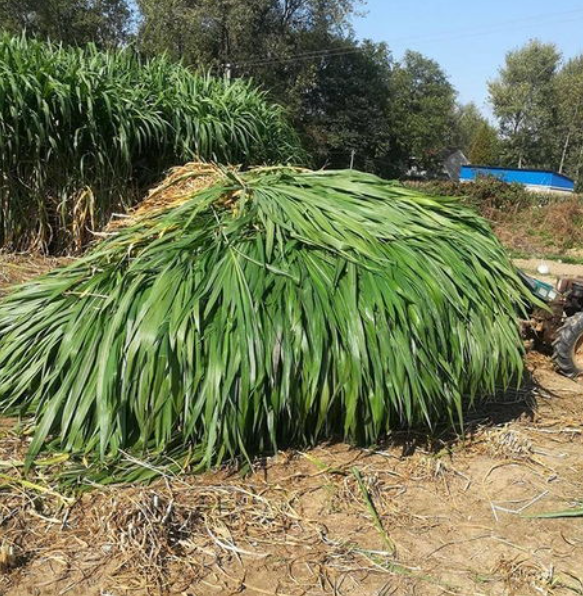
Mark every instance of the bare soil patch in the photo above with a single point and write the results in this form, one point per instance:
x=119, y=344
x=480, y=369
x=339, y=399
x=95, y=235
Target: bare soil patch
x=16, y=268
x=418, y=515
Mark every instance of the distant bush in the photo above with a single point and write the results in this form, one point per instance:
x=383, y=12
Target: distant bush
x=486, y=192
x=83, y=131
x=525, y=222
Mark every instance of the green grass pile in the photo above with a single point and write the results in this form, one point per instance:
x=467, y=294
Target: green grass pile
x=241, y=312
x=83, y=132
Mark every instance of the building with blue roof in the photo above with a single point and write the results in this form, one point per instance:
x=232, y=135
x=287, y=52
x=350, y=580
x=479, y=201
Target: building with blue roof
x=534, y=180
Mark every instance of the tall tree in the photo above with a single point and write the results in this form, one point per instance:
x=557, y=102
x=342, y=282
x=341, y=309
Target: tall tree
x=423, y=111
x=468, y=121
x=278, y=43
x=74, y=22
x=524, y=101
x=239, y=32
x=569, y=134
x=345, y=112
x=475, y=136
x=485, y=146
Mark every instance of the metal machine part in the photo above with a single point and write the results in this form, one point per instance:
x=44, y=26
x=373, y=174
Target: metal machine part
x=560, y=326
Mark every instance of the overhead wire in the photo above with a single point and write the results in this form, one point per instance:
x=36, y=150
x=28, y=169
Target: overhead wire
x=554, y=18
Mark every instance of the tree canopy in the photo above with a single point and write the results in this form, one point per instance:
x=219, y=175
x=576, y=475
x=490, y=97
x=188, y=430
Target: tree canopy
x=73, y=22
x=424, y=107
x=569, y=130
x=523, y=98
x=538, y=101
x=212, y=33
x=353, y=102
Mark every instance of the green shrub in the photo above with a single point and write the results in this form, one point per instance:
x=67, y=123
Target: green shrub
x=268, y=308
x=487, y=192
x=525, y=222
x=82, y=132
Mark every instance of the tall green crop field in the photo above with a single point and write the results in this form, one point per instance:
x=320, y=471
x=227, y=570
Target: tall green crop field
x=82, y=132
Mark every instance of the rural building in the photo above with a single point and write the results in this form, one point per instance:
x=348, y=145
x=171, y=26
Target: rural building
x=453, y=160
x=535, y=180
x=450, y=162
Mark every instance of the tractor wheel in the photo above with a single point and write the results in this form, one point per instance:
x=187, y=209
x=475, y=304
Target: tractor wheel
x=568, y=347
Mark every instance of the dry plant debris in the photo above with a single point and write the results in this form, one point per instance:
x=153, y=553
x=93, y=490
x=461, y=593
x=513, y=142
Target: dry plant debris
x=455, y=509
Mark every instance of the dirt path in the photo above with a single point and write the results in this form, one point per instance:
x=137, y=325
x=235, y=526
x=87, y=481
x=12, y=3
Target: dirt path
x=530, y=266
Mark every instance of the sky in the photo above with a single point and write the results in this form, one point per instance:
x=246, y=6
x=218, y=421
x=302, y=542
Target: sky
x=470, y=38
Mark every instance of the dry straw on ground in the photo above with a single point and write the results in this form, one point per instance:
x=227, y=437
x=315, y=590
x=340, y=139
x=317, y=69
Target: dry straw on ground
x=300, y=523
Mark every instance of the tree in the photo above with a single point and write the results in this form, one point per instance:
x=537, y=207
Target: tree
x=73, y=22
x=423, y=109
x=485, y=146
x=345, y=113
x=468, y=120
x=266, y=40
x=524, y=101
x=213, y=33
x=569, y=88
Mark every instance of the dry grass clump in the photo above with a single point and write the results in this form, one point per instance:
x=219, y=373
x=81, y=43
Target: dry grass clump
x=155, y=529
x=178, y=533
x=509, y=443
x=18, y=268
x=180, y=185
x=554, y=227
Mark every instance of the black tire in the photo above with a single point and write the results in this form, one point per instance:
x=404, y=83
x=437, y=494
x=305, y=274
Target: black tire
x=569, y=337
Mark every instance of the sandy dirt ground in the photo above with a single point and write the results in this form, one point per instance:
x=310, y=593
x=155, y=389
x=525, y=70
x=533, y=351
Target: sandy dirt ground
x=556, y=269
x=15, y=268
x=418, y=515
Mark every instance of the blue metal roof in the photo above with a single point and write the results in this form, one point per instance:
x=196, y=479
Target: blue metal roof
x=542, y=178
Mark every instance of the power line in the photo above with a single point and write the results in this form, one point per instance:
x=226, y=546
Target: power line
x=545, y=18
x=301, y=56
x=553, y=18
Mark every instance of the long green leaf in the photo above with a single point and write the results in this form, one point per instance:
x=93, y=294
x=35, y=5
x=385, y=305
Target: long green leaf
x=273, y=307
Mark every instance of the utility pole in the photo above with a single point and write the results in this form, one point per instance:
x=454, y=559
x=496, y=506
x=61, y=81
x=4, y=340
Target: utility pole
x=352, y=155
x=568, y=139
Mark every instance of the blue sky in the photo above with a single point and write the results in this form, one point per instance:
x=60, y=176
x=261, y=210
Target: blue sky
x=470, y=38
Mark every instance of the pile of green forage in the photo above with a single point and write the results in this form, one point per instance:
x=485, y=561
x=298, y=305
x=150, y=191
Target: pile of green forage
x=246, y=311
x=83, y=132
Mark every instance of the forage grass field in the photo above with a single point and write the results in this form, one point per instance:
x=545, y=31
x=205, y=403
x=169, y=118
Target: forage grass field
x=83, y=132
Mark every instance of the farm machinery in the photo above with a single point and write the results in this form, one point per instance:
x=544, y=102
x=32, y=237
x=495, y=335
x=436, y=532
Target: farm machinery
x=559, y=326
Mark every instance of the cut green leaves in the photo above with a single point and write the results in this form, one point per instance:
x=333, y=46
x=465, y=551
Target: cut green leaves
x=275, y=307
